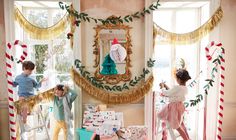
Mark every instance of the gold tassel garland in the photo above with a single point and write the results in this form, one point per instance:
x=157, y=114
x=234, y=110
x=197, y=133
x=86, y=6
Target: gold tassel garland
x=34, y=100
x=113, y=98
x=42, y=33
x=191, y=37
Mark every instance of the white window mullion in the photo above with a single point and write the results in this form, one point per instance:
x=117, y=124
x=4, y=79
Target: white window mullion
x=173, y=47
x=198, y=44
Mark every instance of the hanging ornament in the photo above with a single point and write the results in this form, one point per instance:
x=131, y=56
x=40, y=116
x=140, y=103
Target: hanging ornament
x=117, y=52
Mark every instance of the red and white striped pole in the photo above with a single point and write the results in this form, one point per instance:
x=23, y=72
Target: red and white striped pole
x=221, y=82
x=9, y=65
x=221, y=95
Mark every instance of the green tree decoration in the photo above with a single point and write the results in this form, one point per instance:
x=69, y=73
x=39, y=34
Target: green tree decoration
x=109, y=66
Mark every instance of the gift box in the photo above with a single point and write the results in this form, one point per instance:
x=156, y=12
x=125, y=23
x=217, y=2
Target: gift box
x=83, y=134
x=108, y=115
x=90, y=107
x=120, y=117
x=104, y=123
x=138, y=132
x=109, y=128
x=124, y=133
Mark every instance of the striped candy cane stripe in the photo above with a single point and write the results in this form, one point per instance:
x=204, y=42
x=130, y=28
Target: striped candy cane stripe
x=221, y=83
x=9, y=65
x=221, y=99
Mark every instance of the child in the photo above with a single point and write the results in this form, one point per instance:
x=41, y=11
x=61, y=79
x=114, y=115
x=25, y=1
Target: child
x=173, y=112
x=26, y=87
x=62, y=105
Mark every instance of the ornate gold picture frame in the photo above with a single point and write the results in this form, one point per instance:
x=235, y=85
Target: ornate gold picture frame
x=116, y=78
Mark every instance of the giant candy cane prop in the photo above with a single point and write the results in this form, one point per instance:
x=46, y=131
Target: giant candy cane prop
x=221, y=50
x=9, y=65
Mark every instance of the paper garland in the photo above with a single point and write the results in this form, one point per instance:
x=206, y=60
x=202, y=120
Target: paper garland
x=9, y=66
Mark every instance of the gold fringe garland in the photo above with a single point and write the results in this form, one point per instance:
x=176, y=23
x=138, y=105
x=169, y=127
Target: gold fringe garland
x=42, y=33
x=113, y=98
x=191, y=37
x=107, y=97
x=34, y=100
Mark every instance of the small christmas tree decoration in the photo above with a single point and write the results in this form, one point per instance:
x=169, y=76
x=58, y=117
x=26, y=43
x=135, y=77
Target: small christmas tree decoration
x=117, y=52
x=109, y=67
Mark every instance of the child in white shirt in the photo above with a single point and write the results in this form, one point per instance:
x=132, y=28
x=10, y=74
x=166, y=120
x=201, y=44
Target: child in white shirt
x=174, y=111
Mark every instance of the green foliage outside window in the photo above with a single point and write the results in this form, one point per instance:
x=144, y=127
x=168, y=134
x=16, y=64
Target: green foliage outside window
x=40, y=55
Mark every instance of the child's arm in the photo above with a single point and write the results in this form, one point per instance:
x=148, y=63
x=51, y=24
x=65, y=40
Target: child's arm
x=73, y=95
x=169, y=92
x=38, y=84
x=16, y=82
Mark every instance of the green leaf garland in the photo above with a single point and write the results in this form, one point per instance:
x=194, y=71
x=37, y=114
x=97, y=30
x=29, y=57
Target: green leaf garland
x=101, y=85
x=79, y=17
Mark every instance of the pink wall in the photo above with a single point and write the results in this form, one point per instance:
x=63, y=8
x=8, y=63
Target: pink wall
x=3, y=93
x=4, y=129
x=104, y=9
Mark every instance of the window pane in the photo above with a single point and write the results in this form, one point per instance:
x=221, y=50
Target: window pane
x=162, y=71
x=189, y=54
x=187, y=20
x=163, y=19
x=40, y=55
x=57, y=15
x=63, y=61
x=38, y=17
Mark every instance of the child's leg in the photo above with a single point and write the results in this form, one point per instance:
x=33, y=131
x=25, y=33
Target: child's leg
x=64, y=128
x=182, y=133
x=56, y=130
x=24, y=112
x=184, y=128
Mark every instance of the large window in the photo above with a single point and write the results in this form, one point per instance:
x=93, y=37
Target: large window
x=182, y=17
x=47, y=53
x=53, y=58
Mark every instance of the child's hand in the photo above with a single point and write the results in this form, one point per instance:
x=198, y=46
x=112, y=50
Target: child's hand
x=161, y=94
x=162, y=85
x=66, y=89
x=43, y=80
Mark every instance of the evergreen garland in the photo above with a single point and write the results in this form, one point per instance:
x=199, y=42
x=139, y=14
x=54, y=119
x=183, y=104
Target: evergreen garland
x=79, y=17
x=100, y=84
x=210, y=82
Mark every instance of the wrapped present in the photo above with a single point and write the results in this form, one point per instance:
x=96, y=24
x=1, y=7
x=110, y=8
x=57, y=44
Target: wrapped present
x=138, y=132
x=90, y=107
x=124, y=133
x=120, y=117
x=84, y=134
x=109, y=128
x=108, y=115
x=104, y=123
